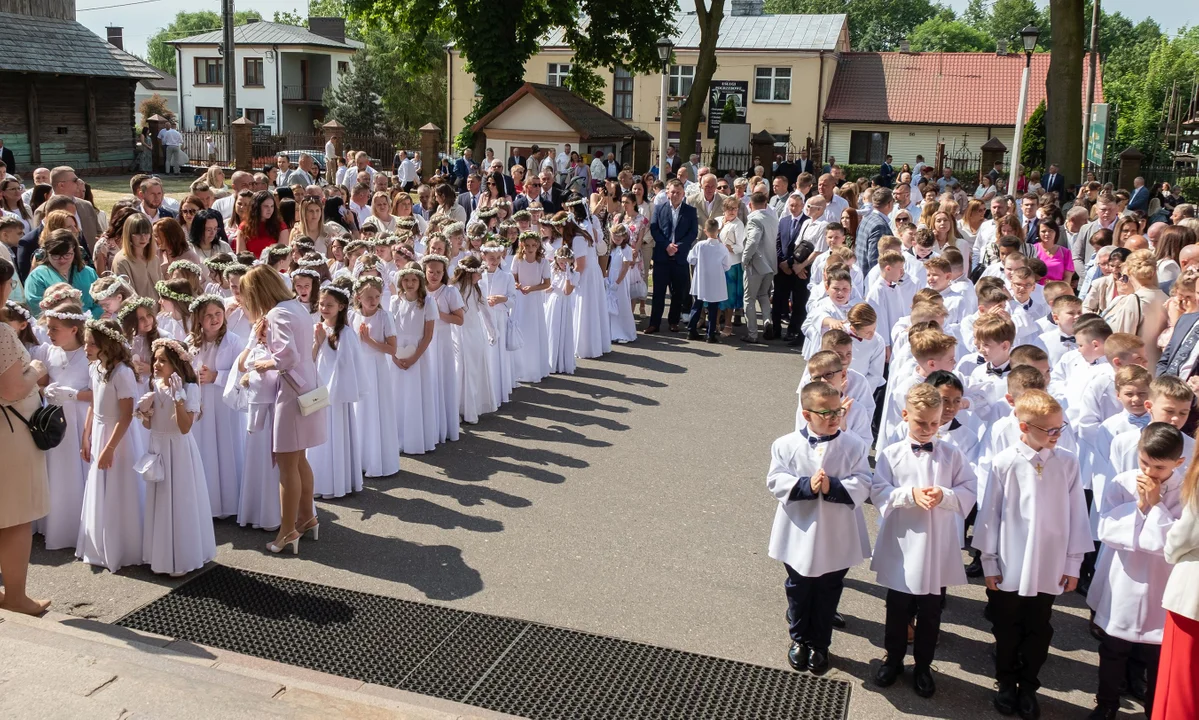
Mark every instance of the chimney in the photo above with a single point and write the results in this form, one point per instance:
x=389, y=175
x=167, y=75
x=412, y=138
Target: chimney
x=330, y=28
x=905, y=46
x=747, y=8
x=116, y=37
x=251, y=20
x=1001, y=47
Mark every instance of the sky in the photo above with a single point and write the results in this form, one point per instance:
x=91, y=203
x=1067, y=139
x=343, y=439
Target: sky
x=142, y=18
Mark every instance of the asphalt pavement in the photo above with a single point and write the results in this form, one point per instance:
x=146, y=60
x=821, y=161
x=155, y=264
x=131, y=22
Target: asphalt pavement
x=628, y=499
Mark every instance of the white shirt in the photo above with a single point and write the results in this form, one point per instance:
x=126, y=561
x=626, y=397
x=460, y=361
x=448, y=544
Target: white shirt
x=1182, y=551
x=812, y=534
x=710, y=258
x=1052, y=341
x=733, y=236
x=869, y=358
x=350, y=179
x=1099, y=452
x=918, y=551
x=1097, y=402
x=1122, y=455
x=891, y=302
x=225, y=205
x=407, y=172
x=813, y=324
x=1005, y=433
x=836, y=206
x=330, y=152
x=562, y=163
x=1032, y=526
x=170, y=137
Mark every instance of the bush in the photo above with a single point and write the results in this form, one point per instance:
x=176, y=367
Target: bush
x=154, y=105
x=852, y=172
x=1188, y=188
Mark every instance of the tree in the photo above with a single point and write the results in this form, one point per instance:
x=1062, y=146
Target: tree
x=162, y=56
x=356, y=101
x=977, y=16
x=873, y=24
x=1009, y=17
x=1063, y=117
x=497, y=37
x=1032, y=144
x=941, y=35
x=693, y=107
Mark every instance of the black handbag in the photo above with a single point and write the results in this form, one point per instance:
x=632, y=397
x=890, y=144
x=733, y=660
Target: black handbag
x=47, y=424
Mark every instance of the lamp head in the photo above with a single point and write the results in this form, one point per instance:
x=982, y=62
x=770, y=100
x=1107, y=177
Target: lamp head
x=1029, y=37
x=665, y=47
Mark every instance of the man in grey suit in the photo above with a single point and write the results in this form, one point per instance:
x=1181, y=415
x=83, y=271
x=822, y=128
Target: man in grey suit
x=707, y=202
x=759, y=261
x=874, y=225
x=1107, y=212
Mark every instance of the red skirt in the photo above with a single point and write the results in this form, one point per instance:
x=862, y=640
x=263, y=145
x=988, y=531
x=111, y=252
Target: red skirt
x=1177, y=695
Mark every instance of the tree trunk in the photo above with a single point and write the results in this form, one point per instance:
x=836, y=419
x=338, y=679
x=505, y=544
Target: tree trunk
x=693, y=108
x=1063, y=90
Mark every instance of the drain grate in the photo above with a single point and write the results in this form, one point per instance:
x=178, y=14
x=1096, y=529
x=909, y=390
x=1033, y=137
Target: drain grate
x=511, y=666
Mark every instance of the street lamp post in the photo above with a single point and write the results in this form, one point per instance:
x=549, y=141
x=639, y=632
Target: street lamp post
x=665, y=48
x=1029, y=37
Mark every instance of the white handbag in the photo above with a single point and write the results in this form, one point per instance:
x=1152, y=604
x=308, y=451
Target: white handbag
x=311, y=401
x=514, y=340
x=149, y=467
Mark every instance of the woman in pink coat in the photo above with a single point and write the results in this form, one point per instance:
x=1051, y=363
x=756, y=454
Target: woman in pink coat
x=283, y=326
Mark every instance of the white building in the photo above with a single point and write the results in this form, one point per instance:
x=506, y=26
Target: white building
x=282, y=74
x=164, y=85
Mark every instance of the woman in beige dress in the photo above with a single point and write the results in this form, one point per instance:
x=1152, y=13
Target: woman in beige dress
x=24, y=491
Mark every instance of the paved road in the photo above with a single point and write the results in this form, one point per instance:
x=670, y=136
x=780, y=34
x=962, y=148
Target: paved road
x=627, y=500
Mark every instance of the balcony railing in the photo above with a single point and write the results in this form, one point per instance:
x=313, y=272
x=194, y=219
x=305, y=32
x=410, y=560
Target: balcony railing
x=304, y=93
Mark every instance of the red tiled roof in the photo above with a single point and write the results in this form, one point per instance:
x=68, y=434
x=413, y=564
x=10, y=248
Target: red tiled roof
x=935, y=87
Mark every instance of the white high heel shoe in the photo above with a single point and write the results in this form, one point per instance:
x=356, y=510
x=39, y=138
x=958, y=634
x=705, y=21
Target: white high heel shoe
x=294, y=544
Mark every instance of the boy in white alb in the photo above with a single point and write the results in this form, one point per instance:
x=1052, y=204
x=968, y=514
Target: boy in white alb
x=820, y=476
x=1138, y=509
x=1032, y=532
x=1072, y=373
x=1098, y=400
x=856, y=384
x=933, y=350
x=869, y=349
x=925, y=313
x=830, y=313
x=711, y=258
x=1058, y=339
x=959, y=284
x=985, y=386
x=992, y=300
x=922, y=488
x=1049, y=294
x=1169, y=402
x=891, y=297
x=1023, y=308
x=827, y=366
x=1132, y=391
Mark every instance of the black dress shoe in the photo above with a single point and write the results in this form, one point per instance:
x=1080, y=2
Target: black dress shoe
x=713, y=340
x=838, y=621
x=1104, y=712
x=798, y=656
x=818, y=662
x=650, y=330
x=1028, y=707
x=692, y=335
x=1138, y=683
x=789, y=336
x=736, y=321
x=887, y=674
x=796, y=341
x=1005, y=700
x=751, y=340
x=975, y=568
x=674, y=328
x=922, y=681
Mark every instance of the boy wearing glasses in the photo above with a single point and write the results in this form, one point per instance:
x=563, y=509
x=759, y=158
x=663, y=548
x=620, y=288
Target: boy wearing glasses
x=922, y=488
x=1032, y=532
x=828, y=367
x=820, y=477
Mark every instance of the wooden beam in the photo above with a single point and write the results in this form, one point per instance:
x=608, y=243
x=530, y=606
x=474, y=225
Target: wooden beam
x=34, y=123
x=93, y=140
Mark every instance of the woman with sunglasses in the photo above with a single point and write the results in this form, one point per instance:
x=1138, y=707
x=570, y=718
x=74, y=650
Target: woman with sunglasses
x=1138, y=293
x=187, y=211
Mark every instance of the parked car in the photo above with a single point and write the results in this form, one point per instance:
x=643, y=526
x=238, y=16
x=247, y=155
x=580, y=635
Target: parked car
x=293, y=156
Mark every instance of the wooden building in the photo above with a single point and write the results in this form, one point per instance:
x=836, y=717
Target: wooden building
x=66, y=96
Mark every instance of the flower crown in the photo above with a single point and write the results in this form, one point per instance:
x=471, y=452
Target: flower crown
x=187, y=265
x=493, y=247
x=529, y=235
x=573, y=203
x=69, y=317
x=487, y=212
x=98, y=327
x=205, y=299
x=216, y=265
x=565, y=252
x=122, y=283
x=174, y=346
x=362, y=282
x=58, y=296
x=406, y=222
x=19, y=309
x=410, y=271
x=522, y=215
x=306, y=272
x=275, y=253
x=355, y=245
x=132, y=305
x=337, y=290
x=163, y=291
x=554, y=223
x=466, y=268
x=314, y=263
x=445, y=261
x=455, y=228
x=232, y=268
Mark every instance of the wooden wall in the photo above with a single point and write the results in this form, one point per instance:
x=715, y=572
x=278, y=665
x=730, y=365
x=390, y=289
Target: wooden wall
x=62, y=105
x=60, y=9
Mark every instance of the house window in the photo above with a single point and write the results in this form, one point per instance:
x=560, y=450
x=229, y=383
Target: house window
x=772, y=84
x=343, y=67
x=556, y=74
x=256, y=116
x=622, y=95
x=208, y=71
x=208, y=118
x=867, y=147
x=253, y=72
x=681, y=77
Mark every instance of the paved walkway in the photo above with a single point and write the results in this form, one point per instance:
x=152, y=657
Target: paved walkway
x=628, y=500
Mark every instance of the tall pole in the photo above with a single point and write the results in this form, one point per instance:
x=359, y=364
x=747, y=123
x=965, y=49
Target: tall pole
x=1014, y=173
x=663, y=141
x=230, y=63
x=1086, y=123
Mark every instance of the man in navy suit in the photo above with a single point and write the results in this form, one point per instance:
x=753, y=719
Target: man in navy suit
x=886, y=173
x=674, y=228
x=788, y=300
x=463, y=167
x=874, y=225
x=1139, y=200
x=1054, y=182
x=1181, y=358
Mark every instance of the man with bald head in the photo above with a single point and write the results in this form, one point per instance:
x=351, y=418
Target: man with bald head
x=64, y=181
x=707, y=202
x=1136, y=242
x=1188, y=256
x=241, y=180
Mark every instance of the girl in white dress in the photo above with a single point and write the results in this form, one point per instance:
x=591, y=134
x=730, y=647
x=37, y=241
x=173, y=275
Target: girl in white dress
x=531, y=272
x=178, y=535
x=235, y=314
x=56, y=295
x=375, y=420
x=418, y=389
x=472, y=339
x=306, y=283
x=593, y=331
x=110, y=529
x=220, y=430
x=620, y=275
x=110, y=293
x=337, y=464
x=560, y=313
x=254, y=393
x=218, y=282
x=70, y=388
x=174, y=298
x=450, y=312
x=499, y=290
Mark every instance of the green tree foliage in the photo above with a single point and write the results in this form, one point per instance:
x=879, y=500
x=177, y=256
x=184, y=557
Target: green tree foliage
x=941, y=34
x=162, y=56
x=1009, y=17
x=1172, y=60
x=1032, y=144
x=357, y=101
x=728, y=114
x=873, y=24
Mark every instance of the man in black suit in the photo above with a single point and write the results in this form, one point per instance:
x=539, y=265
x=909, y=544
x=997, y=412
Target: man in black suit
x=788, y=300
x=515, y=159
x=531, y=195
x=803, y=165
x=469, y=200
x=8, y=158
x=674, y=228
x=552, y=194
x=1054, y=182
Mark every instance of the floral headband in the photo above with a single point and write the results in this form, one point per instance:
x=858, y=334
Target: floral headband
x=187, y=265
x=494, y=247
x=410, y=271
x=310, y=263
x=565, y=252
x=406, y=222
x=355, y=246
x=486, y=212
x=573, y=203
x=174, y=346
x=466, y=268
x=336, y=290
x=553, y=223
x=306, y=272
x=98, y=327
x=521, y=215
x=132, y=305
x=361, y=283
x=122, y=283
x=233, y=269
x=205, y=299
x=445, y=261
x=69, y=317
x=455, y=228
x=19, y=309
x=163, y=291
x=58, y=296
x=215, y=265
x=529, y=235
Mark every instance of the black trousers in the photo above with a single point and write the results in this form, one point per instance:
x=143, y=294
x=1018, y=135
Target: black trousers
x=1022, y=630
x=901, y=607
x=788, y=302
x=677, y=278
x=697, y=307
x=1115, y=656
x=811, y=604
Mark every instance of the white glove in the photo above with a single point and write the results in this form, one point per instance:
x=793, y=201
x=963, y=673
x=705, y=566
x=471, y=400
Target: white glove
x=58, y=394
x=145, y=404
x=175, y=388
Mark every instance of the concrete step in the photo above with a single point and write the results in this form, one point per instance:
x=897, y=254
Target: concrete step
x=60, y=666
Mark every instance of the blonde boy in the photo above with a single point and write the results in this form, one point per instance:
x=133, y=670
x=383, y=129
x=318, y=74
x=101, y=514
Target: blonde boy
x=932, y=350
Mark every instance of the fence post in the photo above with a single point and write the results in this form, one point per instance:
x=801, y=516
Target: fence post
x=1130, y=167
x=334, y=132
x=939, y=162
x=158, y=156
x=430, y=141
x=243, y=145
x=761, y=145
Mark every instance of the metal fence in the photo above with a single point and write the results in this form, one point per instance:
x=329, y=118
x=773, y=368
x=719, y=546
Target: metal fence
x=264, y=147
x=195, y=146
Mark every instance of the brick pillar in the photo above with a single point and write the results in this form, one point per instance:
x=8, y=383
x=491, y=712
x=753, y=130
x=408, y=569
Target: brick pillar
x=1130, y=167
x=243, y=145
x=334, y=131
x=430, y=142
x=158, y=154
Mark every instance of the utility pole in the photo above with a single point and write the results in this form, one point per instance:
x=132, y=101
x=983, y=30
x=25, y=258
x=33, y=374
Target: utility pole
x=229, y=71
x=1086, y=123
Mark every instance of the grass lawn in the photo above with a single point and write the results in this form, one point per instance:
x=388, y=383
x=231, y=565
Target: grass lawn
x=108, y=189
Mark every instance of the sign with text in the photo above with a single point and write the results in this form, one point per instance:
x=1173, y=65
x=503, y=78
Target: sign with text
x=719, y=93
x=1097, y=134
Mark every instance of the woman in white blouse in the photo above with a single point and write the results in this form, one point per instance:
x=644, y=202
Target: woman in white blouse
x=732, y=234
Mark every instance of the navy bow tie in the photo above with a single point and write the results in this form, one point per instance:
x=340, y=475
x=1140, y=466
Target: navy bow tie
x=954, y=424
x=1067, y=338
x=1028, y=305
x=998, y=372
x=926, y=447
x=979, y=360
x=814, y=440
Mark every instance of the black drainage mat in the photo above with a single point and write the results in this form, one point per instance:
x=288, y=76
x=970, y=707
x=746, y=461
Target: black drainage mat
x=511, y=666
